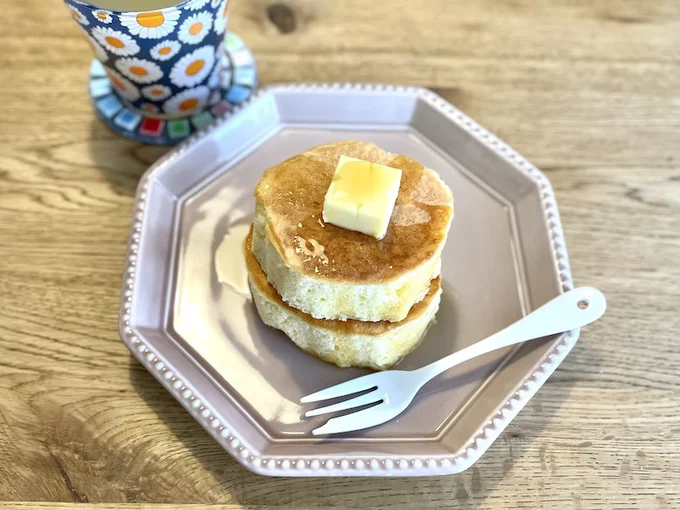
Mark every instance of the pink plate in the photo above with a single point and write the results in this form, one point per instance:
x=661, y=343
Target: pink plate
x=242, y=381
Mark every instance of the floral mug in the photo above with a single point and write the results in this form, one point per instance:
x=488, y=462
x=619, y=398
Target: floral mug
x=165, y=64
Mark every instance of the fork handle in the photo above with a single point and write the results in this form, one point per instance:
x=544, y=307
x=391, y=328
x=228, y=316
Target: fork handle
x=568, y=311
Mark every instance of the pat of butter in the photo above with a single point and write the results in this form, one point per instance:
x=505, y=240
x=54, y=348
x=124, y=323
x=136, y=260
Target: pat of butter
x=361, y=196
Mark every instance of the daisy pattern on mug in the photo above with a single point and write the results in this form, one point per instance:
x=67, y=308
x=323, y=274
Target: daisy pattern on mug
x=221, y=17
x=215, y=3
x=165, y=50
x=116, y=42
x=151, y=24
x=78, y=16
x=151, y=108
x=102, y=16
x=139, y=70
x=194, y=29
x=193, y=68
x=123, y=86
x=99, y=52
x=187, y=102
x=196, y=5
x=156, y=92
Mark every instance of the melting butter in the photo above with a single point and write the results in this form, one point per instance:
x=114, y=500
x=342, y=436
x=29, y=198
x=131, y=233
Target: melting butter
x=317, y=250
x=230, y=262
x=431, y=190
x=361, y=196
x=406, y=215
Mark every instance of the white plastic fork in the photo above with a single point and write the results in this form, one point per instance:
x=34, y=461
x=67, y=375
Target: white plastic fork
x=393, y=390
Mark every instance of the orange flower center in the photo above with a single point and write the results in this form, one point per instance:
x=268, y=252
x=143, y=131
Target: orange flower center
x=115, y=42
x=196, y=28
x=119, y=84
x=101, y=15
x=188, y=104
x=150, y=19
x=195, y=67
x=156, y=92
x=138, y=71
x=165, y=51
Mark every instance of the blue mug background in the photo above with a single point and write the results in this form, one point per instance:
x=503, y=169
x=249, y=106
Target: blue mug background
x=163, y=63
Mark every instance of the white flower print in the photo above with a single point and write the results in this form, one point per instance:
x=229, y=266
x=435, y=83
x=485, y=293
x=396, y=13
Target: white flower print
x=187, y=102
x=139, y=70
x=116, y=42
x=151, y=24
x=194, y=29
x=102, y=16
x=78, y=16
x=99, y=52
x=156, y=92
x=196, y=5
x=165, y=50
x=123, y=86
x=193, y=68
x=221, y=17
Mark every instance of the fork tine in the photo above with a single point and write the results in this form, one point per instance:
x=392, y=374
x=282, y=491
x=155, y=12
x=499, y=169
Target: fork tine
x=356, y=421
x=340, y=390
x=367, y=398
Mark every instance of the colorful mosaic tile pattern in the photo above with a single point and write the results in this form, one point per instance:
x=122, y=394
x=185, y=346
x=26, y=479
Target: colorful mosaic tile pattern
x=238, y=81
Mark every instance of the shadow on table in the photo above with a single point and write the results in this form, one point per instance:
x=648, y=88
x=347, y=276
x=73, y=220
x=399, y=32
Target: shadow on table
x=121, y=161
x=465, y=490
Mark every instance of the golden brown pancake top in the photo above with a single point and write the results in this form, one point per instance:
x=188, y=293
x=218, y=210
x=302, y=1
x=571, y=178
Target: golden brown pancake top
x=348, y=327
x=292, y=194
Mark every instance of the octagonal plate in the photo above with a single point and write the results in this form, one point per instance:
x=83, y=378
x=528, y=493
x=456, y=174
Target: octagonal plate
x=242, y=381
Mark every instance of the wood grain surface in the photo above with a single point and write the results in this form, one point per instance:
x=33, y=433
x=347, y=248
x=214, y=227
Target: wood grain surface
x=587, y=90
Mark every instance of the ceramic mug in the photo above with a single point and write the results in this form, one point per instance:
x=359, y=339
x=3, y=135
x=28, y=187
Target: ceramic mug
x=163, y=64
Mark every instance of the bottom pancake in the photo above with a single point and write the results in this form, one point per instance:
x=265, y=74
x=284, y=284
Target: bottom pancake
x=350, y=343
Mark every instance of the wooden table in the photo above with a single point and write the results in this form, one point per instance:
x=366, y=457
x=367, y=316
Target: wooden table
x=589, y=91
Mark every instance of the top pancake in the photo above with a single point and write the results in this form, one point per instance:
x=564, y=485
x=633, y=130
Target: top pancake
x=291, y=195
x=348, y=327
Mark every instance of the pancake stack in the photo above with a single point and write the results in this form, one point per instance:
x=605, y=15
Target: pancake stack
x=341, y=295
